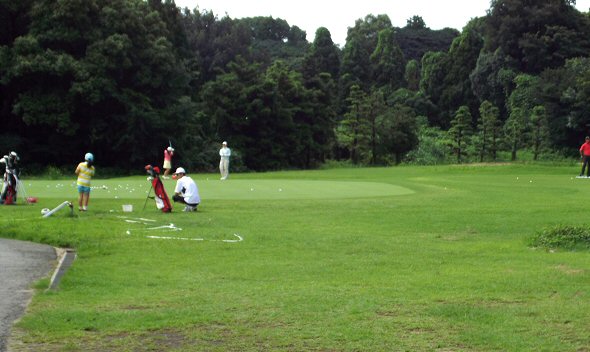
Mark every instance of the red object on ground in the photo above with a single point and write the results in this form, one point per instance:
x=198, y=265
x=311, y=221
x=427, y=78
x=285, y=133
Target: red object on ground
x=32, y=199
x=161, y=198
x=161, y=193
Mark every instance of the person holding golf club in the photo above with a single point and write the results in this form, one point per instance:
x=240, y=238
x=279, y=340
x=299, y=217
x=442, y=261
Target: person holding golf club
x=85, y=171
x=585, y=156
x=168, y=154
x=11, y=174
x=224, y=154
x=186, y=190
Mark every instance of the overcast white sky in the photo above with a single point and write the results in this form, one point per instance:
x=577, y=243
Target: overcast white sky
x=338, y=15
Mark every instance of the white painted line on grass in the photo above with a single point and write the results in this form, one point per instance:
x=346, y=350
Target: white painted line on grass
x=239, y=238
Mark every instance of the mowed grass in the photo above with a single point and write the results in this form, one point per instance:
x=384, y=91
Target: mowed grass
x=374, y=259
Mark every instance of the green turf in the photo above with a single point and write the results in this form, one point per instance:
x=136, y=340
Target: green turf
x=379, y=259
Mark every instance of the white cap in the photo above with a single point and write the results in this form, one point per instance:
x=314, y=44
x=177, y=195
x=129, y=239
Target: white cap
x=170, y=149
x=180, y=170
x=224, y=143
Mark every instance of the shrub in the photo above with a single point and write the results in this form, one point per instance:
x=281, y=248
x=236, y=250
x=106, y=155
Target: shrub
x=53, y=172
x=562, y=236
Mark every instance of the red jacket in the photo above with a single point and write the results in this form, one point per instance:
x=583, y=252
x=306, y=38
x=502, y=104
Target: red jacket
x=585, y=149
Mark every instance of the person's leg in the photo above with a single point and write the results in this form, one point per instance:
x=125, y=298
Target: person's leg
x=225, y=169
x=80, y=200
x=4, y=190
x=584, y=161
x=221, y=168
x=178, y=199
x=587, y=165
x=86, y=198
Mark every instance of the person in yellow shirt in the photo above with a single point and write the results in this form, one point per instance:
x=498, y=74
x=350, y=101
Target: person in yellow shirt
x=85, y=171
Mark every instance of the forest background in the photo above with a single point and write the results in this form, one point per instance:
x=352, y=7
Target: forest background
x=122, y=78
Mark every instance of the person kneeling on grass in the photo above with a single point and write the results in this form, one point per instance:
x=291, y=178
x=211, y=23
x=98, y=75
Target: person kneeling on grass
x=186, y=190
x=85, y=171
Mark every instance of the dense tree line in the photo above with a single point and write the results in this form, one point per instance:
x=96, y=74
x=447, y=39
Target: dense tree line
x=121, y=78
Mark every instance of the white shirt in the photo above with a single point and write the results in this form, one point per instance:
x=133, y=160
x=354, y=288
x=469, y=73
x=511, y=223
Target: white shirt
x=225, y=153
x=188, y=189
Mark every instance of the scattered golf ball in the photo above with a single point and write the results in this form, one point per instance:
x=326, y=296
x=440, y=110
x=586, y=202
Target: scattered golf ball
x=531, y=181
x=517, y=178
x=251, y=189
x=128, y=232
x=280, y=189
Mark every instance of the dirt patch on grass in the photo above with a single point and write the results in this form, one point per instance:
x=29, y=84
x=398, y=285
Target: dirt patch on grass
x=568, y=270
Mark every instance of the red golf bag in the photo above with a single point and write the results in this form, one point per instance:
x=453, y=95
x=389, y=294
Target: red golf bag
x=160, y=196
x=8, y=196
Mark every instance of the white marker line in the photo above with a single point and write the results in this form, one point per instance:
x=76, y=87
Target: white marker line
x=175, y=238
x=240, y=239
x=138, y=219
x=171, y=226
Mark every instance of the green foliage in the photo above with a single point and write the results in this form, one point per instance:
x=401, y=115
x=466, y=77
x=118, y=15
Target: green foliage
x=514, y=131
x=388, y=64
x=415, y=41
x=432, y=147
x=460, y=133
x=537, y=34
x=539, y=130
x=488, y=131
x=54, y=173
x=122, y=77
x=397, y=132
x=562, y=237
x=353, y=132
x=412, y=75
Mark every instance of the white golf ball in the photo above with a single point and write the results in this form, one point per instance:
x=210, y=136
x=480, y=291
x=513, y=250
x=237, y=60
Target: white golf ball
x=44, y=211
x=280, y=189
x=251, y=189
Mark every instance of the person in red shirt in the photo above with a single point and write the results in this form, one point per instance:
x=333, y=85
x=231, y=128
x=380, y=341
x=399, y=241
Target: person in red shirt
x=168, y=154
x=585, y=155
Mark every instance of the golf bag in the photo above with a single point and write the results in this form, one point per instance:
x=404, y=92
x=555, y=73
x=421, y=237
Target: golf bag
x=160, y=196
x=9, y=187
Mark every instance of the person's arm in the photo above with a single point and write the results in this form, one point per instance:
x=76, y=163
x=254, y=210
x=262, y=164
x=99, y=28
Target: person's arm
x=178, y=188
x=78, y=170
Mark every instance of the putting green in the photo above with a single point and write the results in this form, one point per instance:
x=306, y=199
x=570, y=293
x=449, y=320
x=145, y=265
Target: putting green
x=137, y=188
x=297, y=189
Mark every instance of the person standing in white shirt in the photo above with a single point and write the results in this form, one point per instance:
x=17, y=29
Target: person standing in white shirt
x=186, y=190
x=224, y=154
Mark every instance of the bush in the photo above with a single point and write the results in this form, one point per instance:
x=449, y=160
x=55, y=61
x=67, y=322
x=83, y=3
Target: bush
x=562, y=236
x=432, y=148
x=337, y=164
x=53, y=172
